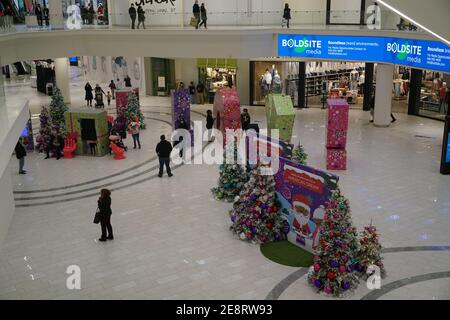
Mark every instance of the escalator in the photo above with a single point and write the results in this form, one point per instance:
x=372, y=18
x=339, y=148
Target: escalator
x=19, y=17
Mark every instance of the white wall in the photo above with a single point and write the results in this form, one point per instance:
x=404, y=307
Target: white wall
x=7, y=204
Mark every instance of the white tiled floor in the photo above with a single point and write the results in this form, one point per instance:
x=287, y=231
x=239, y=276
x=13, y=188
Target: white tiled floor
x=172, y=239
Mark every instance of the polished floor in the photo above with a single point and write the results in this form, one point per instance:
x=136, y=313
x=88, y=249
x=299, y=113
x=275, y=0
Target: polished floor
x=173, y=239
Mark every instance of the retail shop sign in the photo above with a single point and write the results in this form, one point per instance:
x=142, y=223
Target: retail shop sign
x=413, y=53
x=157, y=6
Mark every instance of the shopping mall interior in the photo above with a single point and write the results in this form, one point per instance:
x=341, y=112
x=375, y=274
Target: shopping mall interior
x=352, y=94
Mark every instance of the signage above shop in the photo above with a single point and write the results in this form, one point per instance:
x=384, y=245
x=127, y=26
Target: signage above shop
x=422, y=54
x=144, y=2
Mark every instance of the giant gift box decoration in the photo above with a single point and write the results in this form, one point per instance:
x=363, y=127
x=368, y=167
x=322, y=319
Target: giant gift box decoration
x=122, y=99
x=303, y=193
x=337, y=126
x=92, y=123
x=181, y=108
x=227, y=110
x=280, y=115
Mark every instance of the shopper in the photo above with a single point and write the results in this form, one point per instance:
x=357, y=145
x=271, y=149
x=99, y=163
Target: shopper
x=113, y=88
x=287, y=14
x=132, y=13
x=38, y=13
x=127, y=81
x=133, y=128
x=88, y=94
x=196, y=12
x=209, y=124
x=99, y=96
x=192, y=92
x=245, y=120
x=21, y=153
x=84, y=14
x=104, y=208
x=163, y=150
x=46, y=15
x=201, y=93
x=91, y=14
x=204, y=16
x=108, y=97
x=141, y=17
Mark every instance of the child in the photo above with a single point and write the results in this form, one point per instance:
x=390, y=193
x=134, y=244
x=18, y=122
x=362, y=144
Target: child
x=108, y=96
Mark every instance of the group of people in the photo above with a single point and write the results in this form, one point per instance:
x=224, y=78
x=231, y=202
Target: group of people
x=197, y=93
x=200, y=15
x=88, y=14
x=139, y=13
x=99, y=93
x=42, y=15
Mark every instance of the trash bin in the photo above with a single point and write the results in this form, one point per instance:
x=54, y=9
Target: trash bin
x=49, y=89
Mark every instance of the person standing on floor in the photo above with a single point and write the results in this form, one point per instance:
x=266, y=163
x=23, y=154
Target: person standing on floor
x=104, y=207
x=134, y=130
x=46, y=15
x=201, y=93
x=196, y=12
x=127, y=81
x=163, y=150
x=192, y=92
x=209, y=124
x=204, y=16
x=132, y=13
x=113, y=88
x=21, y=153
x=88, y=96
x=245, y=120
x=141, y=17
x=287, y=14
x=108, y=97
x=38, y=13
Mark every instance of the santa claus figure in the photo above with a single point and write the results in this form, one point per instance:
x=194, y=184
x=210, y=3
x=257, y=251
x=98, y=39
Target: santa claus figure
x=302, y=216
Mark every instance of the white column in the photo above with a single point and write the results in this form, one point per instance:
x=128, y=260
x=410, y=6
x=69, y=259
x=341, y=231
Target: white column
x=383, y=95
x=63, y=77
x=111, y=13
x=55, y=9
x=182, y=14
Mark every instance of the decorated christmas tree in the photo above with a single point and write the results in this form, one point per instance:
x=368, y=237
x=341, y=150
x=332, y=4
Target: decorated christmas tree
x=255, y=214
x=232, y=177
x=370, y=251
x=299, y=155
x=133, y=110
x=57, y=109
x=336, y=257
x=44, y=131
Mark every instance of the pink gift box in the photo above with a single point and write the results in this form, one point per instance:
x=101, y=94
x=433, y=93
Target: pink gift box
x=336, y=159
x=338, y=112
x=336, y=138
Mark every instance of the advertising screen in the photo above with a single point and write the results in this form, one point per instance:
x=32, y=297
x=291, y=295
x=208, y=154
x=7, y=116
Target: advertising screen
x=421, y=54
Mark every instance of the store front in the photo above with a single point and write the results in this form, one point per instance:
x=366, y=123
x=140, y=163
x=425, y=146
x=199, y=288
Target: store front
x=216, y=74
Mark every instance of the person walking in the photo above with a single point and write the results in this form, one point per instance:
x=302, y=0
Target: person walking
x=132, y=13
x=201, y=93
x=196, y=12
x=163, y=150
x=46, y=15
x=127, y=81
x=245, y=120
x=38, y=13
x=204, y=16
x=133, y=128
x=209, y=124
x=113, y=88
x=192, y=92
x=104, y=208
x=21, y=153
x=99, y=96
x=88, y=94
x=141, y=17
x=108, y=97
x=287, y=15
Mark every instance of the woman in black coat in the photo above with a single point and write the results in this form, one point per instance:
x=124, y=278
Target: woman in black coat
x=89, y=96
x=104, y=206
x=287, y=14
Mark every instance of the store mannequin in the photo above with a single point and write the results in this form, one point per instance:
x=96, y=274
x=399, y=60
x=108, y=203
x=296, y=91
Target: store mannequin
x=268, y=78
x=354, y=77
x=277, y=85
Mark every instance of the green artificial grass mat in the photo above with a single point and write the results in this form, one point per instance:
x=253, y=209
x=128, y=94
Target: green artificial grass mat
x=287, y=254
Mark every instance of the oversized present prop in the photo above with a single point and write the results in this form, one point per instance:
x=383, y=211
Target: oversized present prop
x=337, y=126
x=122, y=99
x=336, y=159
x=227, y=110
x=86, y=125
x=181, y=108
x=280, y=115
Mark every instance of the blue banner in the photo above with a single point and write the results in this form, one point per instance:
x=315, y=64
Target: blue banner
x=422, y=54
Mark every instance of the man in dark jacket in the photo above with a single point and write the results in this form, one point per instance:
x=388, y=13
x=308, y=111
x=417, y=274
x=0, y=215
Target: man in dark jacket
x=46, y=15
x=245, y=120
x=163, y=150
x=141, y=17
x=21, y=153
x=132, y=12
x=196, y=12
x=38, y=13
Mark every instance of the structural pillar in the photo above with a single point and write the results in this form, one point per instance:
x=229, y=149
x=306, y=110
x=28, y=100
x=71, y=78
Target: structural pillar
x=55, y=9
x=383, y=95
x=368, y=86
x=302, y=85
x=415, y=86
x=63, y=77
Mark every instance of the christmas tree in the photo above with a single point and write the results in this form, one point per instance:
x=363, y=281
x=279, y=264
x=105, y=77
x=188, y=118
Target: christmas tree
x=299, y=155
x=44, y=131
x=255, y=214
x=133, y=110
x=335, y=259
x=57, y=109
x=370, y=251
x=232, y=177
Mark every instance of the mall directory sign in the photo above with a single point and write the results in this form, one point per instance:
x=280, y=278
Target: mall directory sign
x=445, y=162
x=422, y=54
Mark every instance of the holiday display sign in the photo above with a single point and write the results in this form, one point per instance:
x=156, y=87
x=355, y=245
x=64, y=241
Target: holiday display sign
x=303, y=193
x=265, y=145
